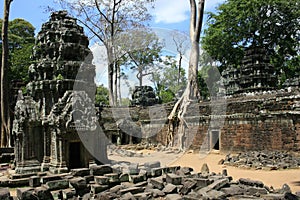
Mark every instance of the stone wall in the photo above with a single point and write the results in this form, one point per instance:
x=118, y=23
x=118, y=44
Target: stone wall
x=260, y=121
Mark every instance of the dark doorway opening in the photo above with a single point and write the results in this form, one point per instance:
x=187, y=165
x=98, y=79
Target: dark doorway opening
x=74, y=157
x=215, y=140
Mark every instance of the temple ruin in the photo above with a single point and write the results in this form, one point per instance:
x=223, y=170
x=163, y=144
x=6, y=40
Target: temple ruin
x=48, y=117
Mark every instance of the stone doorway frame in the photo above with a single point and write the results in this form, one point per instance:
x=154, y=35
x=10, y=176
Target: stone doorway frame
x=214, y=139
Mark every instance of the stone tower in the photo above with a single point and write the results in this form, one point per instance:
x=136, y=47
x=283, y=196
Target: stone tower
x=48, y=119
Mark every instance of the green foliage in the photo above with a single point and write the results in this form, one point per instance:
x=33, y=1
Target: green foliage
x=101, y=96
x=21, y=41
x=143, y=52
x=60, y=77
x=167, y=81
x=272, y=24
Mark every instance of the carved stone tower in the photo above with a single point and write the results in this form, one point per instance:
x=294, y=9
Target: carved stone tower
x=45, y=126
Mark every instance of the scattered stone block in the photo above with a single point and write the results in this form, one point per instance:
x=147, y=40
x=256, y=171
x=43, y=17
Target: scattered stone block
x=173, y=179
x=43, y=194
x=80, y=172
x=170, y=188
x=101, y=180
x=154, y=164
x=69, y=193
x=57, y=185
x=26, y=194
x=132, y=190
x=95, y=188
x=4, y=194
x=173, y=197
x=157, y=183
x=100, y=170
x=137, y=178
x=251, y=182
x=34, y=181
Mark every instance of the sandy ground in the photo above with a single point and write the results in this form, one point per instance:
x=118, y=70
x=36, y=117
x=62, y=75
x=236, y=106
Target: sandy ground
x=196, y=160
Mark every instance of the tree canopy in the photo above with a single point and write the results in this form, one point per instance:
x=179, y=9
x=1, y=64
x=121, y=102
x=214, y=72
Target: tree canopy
x=21, y=41
x=271, y=24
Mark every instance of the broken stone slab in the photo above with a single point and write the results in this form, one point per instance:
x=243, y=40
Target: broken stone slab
x=233, y=190
x=169, y=188
x=132, y=190
x=250, y=182
x=132, y=169
x=173, y=179
x=173, y=197
x=43, y=194
x=256, y=190
x=89, y=179
x=154, y=164
x=218, y=184
x=188, y=185
x=26, y=194
x=128, y=196
x=113, y=178
x=19, y=182
x=34, y=181
x=100, y=170
x=155, y=172
x=95, y=188
x=78, y=183
x=80, y=172
x=156, y=192
x=21, y=176
x=157, y=183
x=4, y=194
x=142, y=196
x=57, y=185
x=215, y=194
x=202, y=182
x=137, y=178
x=46, y=179
x=101, y=180
x=124, y=178
x=68, y=193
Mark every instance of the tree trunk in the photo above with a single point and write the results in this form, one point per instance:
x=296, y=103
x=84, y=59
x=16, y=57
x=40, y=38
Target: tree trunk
x=119, y=86
x=116, y=83
x=5, y=131
x=179, y=68
x=110, y=75
x=191, y=93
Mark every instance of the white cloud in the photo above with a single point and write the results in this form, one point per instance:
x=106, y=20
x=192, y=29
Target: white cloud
x=167, y=11
x=177, y=11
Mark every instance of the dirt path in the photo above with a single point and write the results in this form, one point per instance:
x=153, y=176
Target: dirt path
x=269, y=178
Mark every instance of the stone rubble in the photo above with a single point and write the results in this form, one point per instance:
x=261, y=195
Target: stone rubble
x=263, y=160
x=146, y=181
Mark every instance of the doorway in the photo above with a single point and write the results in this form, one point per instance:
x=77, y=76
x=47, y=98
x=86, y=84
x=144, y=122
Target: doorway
x=74, y=155
x=215, y=140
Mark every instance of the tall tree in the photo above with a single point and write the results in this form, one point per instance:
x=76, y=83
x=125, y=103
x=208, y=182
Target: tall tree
x=270, y=24
x=181, y=42
x=106, y=19
x=21, y=41
x=168, y=81
x=5, y=120
x=142, y=52
x=191, y=92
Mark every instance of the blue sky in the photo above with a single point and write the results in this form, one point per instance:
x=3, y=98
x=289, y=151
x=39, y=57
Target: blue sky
x=168, y=16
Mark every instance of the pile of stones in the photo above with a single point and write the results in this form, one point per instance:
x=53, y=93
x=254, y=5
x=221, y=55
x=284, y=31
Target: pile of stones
x=143, y=96
x=266, y=160
x=147, y=181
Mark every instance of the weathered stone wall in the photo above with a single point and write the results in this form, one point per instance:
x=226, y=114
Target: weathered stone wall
x=261, y=121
